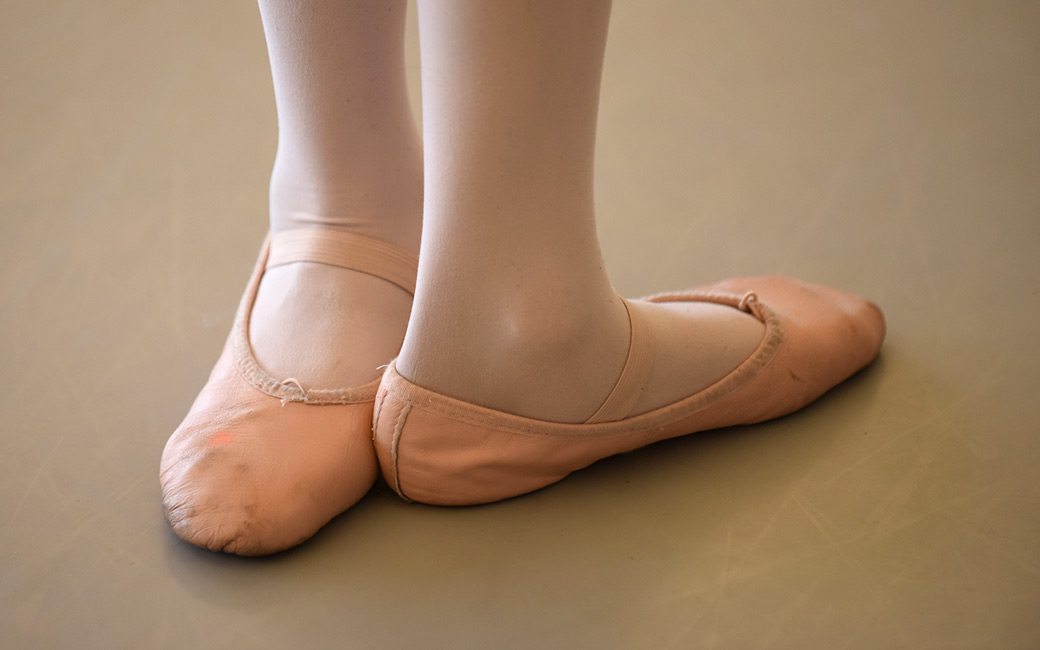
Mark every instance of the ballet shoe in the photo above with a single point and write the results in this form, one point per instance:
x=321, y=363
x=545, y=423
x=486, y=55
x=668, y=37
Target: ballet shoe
x=438, y=450
x=260, y=463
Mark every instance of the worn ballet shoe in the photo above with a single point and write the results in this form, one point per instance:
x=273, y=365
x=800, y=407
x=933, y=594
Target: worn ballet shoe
x=439, y=450
x=260, y=463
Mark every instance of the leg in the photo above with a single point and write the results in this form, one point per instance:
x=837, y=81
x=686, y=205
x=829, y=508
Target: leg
x=521, y=364
x=279, y=440
x=349, y=157
x=513, y=308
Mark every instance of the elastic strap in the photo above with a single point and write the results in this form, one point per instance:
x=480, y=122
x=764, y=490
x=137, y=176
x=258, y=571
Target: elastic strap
x=630, y=384
x=345, y=250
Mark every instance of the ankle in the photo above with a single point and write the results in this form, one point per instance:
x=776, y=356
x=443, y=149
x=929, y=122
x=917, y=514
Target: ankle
x=520, y=356
x=385, y=207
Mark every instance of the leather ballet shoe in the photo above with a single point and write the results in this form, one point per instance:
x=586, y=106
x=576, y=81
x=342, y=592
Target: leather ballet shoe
x=438, y=450
x=260, y=463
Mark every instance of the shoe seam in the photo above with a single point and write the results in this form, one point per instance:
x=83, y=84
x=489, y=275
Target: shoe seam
x=395, y=443
x=377, y=408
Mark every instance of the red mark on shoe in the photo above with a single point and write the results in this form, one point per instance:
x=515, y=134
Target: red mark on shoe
x=220, y=439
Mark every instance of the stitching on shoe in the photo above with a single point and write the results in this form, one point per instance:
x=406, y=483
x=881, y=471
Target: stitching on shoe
x=377, y=408
x=395, y=442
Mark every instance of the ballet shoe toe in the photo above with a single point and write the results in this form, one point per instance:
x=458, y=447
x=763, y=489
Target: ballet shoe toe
x=824, y=335
x=246, y=474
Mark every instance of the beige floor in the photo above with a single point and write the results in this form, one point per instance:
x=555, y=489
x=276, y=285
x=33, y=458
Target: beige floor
x=891, y=148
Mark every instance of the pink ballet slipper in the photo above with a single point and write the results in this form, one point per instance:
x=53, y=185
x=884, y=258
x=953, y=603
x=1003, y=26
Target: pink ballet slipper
x=439, y=450
x=259, y=463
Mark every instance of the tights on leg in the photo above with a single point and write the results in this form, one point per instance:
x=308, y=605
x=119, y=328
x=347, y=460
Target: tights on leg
x=349, y=157
x=513, y=308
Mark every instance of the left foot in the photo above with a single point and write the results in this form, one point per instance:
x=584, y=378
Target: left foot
x=325, y=326
x=265, y=458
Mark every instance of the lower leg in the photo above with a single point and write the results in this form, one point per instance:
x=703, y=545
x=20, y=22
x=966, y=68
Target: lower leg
x=349, y=157
x=514, y=310
x=349, y=154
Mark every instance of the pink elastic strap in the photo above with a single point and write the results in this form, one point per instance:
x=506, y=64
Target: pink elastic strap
x=345, y=250
x=630, y=384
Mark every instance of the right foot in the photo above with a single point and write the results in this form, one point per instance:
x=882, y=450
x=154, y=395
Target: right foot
x=560, y=367
x=437, y=447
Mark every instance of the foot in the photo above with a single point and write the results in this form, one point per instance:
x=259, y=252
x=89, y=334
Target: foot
x=264, y=458
x=326, y=327
x=435, y=448
x=329, y=327
x=559, y=364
